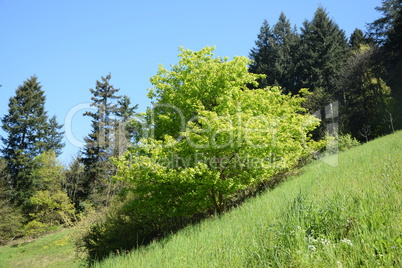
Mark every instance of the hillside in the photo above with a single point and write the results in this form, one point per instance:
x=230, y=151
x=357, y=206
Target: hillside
x=344, y=216
x=349, y=216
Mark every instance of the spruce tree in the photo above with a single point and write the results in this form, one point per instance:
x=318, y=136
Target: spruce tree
x=263, y=56
x=286, y=42
x=357, y=39
x=274, y=55
x=28, y=134
x=99, y=144
x=125, y=129
x=54, y=136
x=324, y=51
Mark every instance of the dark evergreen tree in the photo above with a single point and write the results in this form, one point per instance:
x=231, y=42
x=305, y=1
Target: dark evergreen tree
x=275, y=53
x=125, y=130
x=73, y=181
x=285, y=43
x=263, y=56
x=324, y=51
x=29, y=133
x=99, y=145
x=357, y=39
x=54, y=137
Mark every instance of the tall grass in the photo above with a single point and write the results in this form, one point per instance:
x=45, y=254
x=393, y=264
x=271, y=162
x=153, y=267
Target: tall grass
x=344, y=216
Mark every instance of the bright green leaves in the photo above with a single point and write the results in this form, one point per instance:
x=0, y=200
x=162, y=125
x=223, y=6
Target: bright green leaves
x=213, y=136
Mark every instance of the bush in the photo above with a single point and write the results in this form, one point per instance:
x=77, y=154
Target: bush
x=121, y=228
x=11, y=220
x=52, y=208
x=35, y=228
x=346, y=142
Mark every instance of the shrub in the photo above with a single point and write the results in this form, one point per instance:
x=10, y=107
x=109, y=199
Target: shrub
x=35, y=228
x=11, y=220
x=345, y=142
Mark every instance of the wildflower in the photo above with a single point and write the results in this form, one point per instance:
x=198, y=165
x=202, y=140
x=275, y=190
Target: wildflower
x=339, y=264
x=347, y=241
x=312, y=248
x=325, y=242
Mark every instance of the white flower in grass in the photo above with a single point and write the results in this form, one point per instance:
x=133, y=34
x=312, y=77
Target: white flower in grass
x=312, y=248
x=339, y=264
x=325, y=242
x=347, y=241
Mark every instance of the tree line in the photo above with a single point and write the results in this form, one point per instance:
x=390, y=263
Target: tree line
x=219, y=130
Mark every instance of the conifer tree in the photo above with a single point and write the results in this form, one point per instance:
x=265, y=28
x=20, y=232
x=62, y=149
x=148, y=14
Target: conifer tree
x=54, y=137
x=29, y=133
x=324, y=51
x=275, y=53
x=263, y=56
x=99, y=148
x=357, y=39
x=286, y=42
x=125, y=129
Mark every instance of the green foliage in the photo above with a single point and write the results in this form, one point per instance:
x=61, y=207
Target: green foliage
x=11, y=217
x=357, y=39
x=230, y=138
x=387, y=31
x=345, y=142
x=52, y=207
x=48, y=205
x=35, y=228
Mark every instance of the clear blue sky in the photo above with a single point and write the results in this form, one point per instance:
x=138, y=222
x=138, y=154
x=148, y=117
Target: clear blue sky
x=71, y=44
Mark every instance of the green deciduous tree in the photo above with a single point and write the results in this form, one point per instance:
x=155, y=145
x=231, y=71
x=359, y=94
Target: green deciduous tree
x=213, y=136
x=49, y=204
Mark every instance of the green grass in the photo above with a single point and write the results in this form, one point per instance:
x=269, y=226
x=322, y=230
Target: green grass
x=344, y=216
x=55, y=250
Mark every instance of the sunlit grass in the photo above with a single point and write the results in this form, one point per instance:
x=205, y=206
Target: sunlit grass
x=344, y=216
x=55, y=250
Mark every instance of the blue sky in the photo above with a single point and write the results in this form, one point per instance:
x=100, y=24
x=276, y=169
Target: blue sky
x=71, y=44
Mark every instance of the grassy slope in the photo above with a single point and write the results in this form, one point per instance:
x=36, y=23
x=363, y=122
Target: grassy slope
x=56, y=250
x=349, y=216
x=328, y=216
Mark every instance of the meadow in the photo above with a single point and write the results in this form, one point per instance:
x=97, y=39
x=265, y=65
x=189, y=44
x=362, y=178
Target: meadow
x=347, y=215
x=53, y=250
